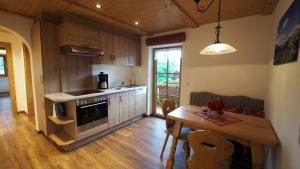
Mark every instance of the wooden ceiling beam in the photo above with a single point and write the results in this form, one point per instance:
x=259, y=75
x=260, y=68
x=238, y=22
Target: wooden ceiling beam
x=190, y=20
x=269, y=7
x=108, y=19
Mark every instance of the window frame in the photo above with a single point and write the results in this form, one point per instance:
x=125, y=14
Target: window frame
x=167, y=73
x=5, y=66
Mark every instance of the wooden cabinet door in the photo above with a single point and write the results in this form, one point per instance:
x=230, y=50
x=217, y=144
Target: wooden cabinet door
x=50, y=56
x=141, y=101
x=79, y=35
x=113, y=110
x=131, y=54
x=131, y=105
x=107, y=46
x=134, y=54
x=119, y=50
x=124, y=106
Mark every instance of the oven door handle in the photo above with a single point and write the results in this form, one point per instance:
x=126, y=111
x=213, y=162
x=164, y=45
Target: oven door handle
x=93, y=105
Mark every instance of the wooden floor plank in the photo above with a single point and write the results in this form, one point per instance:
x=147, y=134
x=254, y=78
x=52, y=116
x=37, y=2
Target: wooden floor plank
x=136, y=146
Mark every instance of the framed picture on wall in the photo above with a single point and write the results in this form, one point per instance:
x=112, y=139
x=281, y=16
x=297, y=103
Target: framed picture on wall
x=288, y=35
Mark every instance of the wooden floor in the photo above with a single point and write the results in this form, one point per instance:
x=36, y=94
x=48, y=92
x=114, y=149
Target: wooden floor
x=135, y=146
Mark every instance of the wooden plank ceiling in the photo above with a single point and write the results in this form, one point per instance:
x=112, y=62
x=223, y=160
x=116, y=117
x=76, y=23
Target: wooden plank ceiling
x=154, y=16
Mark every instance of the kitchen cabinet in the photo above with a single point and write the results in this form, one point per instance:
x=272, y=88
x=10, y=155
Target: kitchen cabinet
x=79, y=35
x=131, y=104
x=134, y=52
x=113, y=110
x=140, y=101
x=106, y=39
x=119, y=49
x=124, y=106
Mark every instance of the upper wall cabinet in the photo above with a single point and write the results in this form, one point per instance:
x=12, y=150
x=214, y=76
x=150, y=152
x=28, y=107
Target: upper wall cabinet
x=118, y=47
x=79, y=35
x=134, y=52
x=106, y=44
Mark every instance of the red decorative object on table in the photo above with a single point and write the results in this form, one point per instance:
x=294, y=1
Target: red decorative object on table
x=217, y=106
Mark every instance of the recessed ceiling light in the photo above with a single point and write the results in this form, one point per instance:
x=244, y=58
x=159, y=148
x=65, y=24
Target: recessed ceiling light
x=98, y=6
x=136, y=22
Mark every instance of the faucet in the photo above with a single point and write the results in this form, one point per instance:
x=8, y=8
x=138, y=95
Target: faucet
x=122, y=84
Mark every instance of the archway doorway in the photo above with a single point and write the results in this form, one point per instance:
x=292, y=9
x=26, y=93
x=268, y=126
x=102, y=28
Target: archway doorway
x=17, y=69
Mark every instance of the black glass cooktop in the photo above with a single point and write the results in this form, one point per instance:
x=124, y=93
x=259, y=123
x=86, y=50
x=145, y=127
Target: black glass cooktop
x=84, y=92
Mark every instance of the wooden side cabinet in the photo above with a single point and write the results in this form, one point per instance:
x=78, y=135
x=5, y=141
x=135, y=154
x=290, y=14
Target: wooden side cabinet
x=113, y=110
x=46, y=65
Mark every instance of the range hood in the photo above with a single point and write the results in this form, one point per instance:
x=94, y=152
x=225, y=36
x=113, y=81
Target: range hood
x=73, y=50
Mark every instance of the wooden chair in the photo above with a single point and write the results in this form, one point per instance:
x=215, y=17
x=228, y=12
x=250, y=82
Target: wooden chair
x=209, y=150
x=167, y=107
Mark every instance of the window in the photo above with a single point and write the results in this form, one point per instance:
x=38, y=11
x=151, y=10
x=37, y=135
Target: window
x=167, y=66
x=3, y=69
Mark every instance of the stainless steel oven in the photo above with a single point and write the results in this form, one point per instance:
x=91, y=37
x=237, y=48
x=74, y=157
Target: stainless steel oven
x=91, y=112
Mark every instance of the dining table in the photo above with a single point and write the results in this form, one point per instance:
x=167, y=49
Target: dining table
x=250, y=131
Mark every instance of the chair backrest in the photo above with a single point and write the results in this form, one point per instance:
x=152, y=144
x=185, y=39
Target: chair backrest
x=210, y=150
x=167, y=107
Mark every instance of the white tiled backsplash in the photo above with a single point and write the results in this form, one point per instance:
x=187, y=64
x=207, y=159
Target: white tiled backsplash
x=116, y=74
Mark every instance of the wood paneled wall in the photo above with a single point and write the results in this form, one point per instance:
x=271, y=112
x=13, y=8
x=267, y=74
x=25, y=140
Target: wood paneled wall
x=76, y=73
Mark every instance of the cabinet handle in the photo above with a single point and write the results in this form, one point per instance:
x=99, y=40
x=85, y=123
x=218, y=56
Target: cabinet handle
x=121, y=99
x=108, y=101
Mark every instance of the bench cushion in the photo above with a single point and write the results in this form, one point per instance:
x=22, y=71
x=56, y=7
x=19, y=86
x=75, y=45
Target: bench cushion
x=236, y=104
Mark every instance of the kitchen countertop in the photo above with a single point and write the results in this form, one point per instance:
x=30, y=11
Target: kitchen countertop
x=63, y=97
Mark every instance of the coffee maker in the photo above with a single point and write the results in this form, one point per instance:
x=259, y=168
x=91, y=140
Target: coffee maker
x=102, y=81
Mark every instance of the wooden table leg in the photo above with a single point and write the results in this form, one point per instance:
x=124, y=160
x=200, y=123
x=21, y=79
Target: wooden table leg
x=176, y=134
x=257, y=156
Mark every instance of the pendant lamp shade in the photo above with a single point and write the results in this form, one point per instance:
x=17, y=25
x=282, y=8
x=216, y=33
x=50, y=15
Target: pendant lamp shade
x=217, y=49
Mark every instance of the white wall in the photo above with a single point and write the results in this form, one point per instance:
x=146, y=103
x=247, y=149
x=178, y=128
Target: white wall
x=242, y=73
x=116, y=74
x=282, y=105
x=19, y=73
x=17, y=24
x=4, y=87
x=21, y=27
